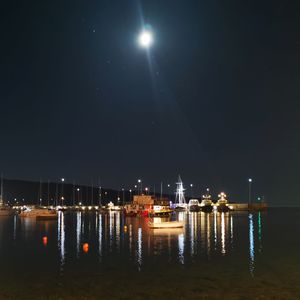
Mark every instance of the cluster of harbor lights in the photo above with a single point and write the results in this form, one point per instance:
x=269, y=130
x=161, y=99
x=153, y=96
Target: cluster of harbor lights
x=142, y=201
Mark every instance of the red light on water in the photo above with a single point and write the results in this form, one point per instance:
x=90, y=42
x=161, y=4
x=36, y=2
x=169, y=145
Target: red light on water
x=45, y=240
x=85, y=247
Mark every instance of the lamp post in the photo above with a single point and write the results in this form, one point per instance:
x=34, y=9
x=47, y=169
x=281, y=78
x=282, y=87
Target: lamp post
x=136, y=189
x=78, y=193
x=141, y=186
x=123, y=200
x=250, y=185
x=62, y=191
x=100, y=196
x=168, y=185
x=130, y=191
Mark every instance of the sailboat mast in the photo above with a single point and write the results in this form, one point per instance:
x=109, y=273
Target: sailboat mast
x=161, y=187
x=1, y=196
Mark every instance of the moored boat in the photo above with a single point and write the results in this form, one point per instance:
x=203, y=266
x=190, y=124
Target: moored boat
x=194, y=205
x=5, y=210
x=182, y=207
x=168, y=224
x=130, y=210
x=160, y=211
x=111, y=207
x=39, y=213
x=206, y=203
x=222, y=204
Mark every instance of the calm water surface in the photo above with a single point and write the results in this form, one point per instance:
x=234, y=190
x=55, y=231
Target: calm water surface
x=216, y=256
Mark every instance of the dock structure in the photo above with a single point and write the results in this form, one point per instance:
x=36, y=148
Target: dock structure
x=146, y=202
x=248, y=207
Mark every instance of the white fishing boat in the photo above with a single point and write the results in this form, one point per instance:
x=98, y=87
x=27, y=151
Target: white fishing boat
x=39, y=213
x=206, y=203
x=160, y=211
x=111, y=207
x=194, y=205
x=130, y=210
x=222, y=204
x=168, y=224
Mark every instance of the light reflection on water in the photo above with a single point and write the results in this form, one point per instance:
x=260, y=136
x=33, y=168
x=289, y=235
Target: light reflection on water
x=139, y=248
x=251, y=244
x=100, y=234
x=204, y=236
x=78, y=231
x=61, y=236
x=257, y=252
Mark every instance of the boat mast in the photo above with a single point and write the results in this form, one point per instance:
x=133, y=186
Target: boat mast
x=1, y=195
x=179, y=196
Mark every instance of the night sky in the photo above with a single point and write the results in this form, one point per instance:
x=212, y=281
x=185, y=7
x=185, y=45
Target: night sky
x=215, y=99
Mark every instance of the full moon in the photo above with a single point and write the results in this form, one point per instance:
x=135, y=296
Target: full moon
x=145, y=39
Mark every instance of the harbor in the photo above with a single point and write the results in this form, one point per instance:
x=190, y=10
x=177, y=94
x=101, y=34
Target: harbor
x=142, y=203
x=88, y=254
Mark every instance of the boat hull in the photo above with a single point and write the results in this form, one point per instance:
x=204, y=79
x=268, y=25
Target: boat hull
x=207, y=208
x=46, y=218
x=130, y=214
x=223, y=208
x=194, y=208
x=6, y=212
x=180, y=208
x=165, y=225
x=160, y=214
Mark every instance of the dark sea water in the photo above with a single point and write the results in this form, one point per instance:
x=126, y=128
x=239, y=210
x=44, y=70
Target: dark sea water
x=216, y=256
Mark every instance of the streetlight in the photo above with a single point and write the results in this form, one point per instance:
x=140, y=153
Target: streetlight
x=62, y=190
x=100, y=196
x=146, y=190
x=141, y=185
x=123, y=196
x=78, y=190
x=130, y=191
x=250, y=185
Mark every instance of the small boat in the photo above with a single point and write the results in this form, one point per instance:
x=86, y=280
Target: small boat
x=6, y=211
x=160, y=211
x=39, y=213
x=169, y=224
x=111, y=207
x=194, y=205
x=222, y=204
x=180, y=207
x=130, y=210
x=206, y=203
